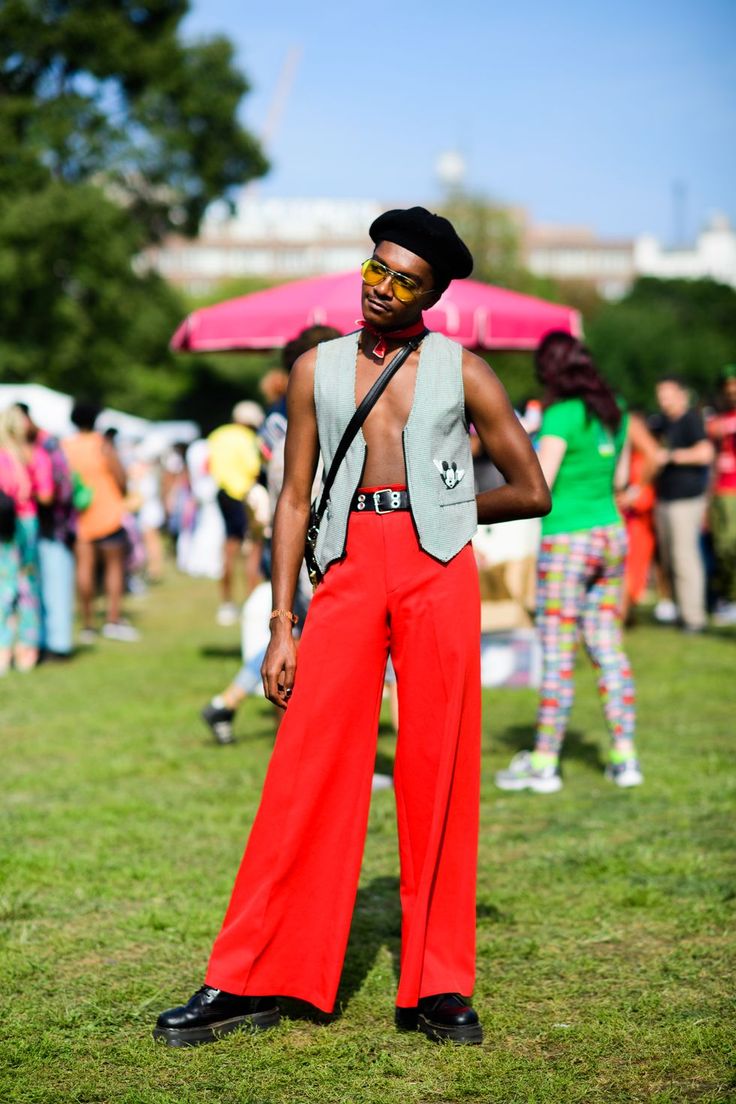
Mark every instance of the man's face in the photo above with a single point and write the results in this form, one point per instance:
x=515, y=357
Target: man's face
x=672, y=399
x=381, y=307
x=729, y=392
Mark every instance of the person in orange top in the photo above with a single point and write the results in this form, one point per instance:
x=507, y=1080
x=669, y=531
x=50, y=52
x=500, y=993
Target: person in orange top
x=100, y=533
x=636, y=504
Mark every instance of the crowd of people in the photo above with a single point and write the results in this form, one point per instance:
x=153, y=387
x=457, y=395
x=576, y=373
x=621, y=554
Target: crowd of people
x=89, y=515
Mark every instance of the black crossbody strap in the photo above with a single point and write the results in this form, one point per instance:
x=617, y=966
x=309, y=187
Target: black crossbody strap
x=360, y=415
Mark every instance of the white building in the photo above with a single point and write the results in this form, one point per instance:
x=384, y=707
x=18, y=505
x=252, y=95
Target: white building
x=577, y=254
x=281, y=239
x=286, y=239
x=713, y=255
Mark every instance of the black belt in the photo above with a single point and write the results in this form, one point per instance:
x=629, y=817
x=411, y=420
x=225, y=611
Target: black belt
x=384, y=501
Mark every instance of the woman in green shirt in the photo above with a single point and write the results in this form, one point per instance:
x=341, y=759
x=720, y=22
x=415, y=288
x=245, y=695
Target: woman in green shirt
x=580, y=571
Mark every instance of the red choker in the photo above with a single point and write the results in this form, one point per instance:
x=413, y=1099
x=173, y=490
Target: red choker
x=380, y=348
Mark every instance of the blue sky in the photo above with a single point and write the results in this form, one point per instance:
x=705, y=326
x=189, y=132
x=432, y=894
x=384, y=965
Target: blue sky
x=582, y=112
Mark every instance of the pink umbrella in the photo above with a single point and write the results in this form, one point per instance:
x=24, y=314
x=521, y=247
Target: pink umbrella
x=476, y=315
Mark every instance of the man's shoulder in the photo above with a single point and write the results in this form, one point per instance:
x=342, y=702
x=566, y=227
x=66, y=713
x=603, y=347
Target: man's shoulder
x=692, y=423
x=440, y=340
x=331, y=351
x=692, y=416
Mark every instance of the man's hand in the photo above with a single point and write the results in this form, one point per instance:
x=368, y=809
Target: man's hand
x=279, y=665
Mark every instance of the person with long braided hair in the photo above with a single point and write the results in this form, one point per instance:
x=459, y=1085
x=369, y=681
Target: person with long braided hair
x=583, y=452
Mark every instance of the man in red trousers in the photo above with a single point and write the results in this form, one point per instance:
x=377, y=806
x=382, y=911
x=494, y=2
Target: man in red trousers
x=399, y=580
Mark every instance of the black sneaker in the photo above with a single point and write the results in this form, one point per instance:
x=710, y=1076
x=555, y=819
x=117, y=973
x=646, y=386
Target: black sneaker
x=445, y=1017
x=219, y=722
x=211, y=1013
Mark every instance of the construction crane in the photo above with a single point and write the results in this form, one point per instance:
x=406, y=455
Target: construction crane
x=277, y=106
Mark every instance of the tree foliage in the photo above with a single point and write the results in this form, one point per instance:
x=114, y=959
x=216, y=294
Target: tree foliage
x=74, y=313
x=495, y=238
x=113, y=131
x=683, y=326
x=105, y=90
x=490, y=234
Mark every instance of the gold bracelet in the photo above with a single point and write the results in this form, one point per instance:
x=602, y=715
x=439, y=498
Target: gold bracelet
x=285, y=613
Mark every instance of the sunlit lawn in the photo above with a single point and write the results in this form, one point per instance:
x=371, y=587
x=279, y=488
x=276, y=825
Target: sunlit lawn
x=605, y=917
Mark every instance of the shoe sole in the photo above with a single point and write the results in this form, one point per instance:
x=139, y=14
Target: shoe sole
x=461, y=1035
x=196, y=1036
x=553, y=785
x=225, y=737
x=625, y=783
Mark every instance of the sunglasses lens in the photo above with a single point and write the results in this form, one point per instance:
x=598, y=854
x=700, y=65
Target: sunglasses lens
x=404, y=292
x=373, y=273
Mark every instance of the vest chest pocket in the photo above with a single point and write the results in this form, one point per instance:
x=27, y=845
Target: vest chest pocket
x=459, y=502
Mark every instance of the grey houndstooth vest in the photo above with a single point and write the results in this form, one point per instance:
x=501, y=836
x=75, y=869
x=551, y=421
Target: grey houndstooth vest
x=439, y=466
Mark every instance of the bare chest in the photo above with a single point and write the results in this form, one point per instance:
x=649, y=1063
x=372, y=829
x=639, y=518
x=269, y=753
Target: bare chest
x=390, y=413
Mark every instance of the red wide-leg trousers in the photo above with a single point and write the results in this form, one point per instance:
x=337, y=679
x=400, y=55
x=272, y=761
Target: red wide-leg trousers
x=286, y=928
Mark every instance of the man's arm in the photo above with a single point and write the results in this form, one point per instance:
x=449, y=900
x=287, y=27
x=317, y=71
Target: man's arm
x=301, y=454
x=525, y=493
x=699, y=452
x=115, y=464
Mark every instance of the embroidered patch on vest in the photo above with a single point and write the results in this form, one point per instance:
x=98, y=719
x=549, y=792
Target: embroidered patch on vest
x=451, y=474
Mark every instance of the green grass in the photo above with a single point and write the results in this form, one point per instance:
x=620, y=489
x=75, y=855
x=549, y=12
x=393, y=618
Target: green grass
x=605, y=959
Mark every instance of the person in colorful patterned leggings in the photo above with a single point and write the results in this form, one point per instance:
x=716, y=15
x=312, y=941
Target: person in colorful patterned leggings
x=580, y=573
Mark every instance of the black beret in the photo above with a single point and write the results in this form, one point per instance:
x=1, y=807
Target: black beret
x=431, y=237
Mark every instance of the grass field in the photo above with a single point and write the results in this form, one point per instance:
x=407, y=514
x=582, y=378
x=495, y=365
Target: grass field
x=605, y=918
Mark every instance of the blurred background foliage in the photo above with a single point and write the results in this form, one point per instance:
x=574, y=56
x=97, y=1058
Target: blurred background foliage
x=683, y=326
x=114, y=132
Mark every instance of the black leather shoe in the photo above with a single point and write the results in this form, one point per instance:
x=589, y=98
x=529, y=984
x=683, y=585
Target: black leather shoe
x=445, y=1017
x=211, y=1013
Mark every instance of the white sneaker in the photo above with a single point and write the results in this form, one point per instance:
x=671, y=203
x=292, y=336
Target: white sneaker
x=87, y=636
x=625, y=774
x=382, y=782
x=120, y=630
x=665, y=612
x=227, y=614
x=522, y=775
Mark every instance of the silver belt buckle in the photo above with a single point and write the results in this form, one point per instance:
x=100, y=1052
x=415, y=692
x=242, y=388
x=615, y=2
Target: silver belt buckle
x=395, y=500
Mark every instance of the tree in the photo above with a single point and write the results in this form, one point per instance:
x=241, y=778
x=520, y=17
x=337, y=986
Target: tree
x=74, y=314
x=105, y=91
x=490, y=234
x=493, y=234
x=682, y=326
x=113, y=132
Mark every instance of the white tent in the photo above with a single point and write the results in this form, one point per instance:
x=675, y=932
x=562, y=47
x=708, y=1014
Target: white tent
x=52, y=409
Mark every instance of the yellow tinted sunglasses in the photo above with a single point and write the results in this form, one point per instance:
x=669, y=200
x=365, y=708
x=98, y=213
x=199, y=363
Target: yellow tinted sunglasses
x=374, y=272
